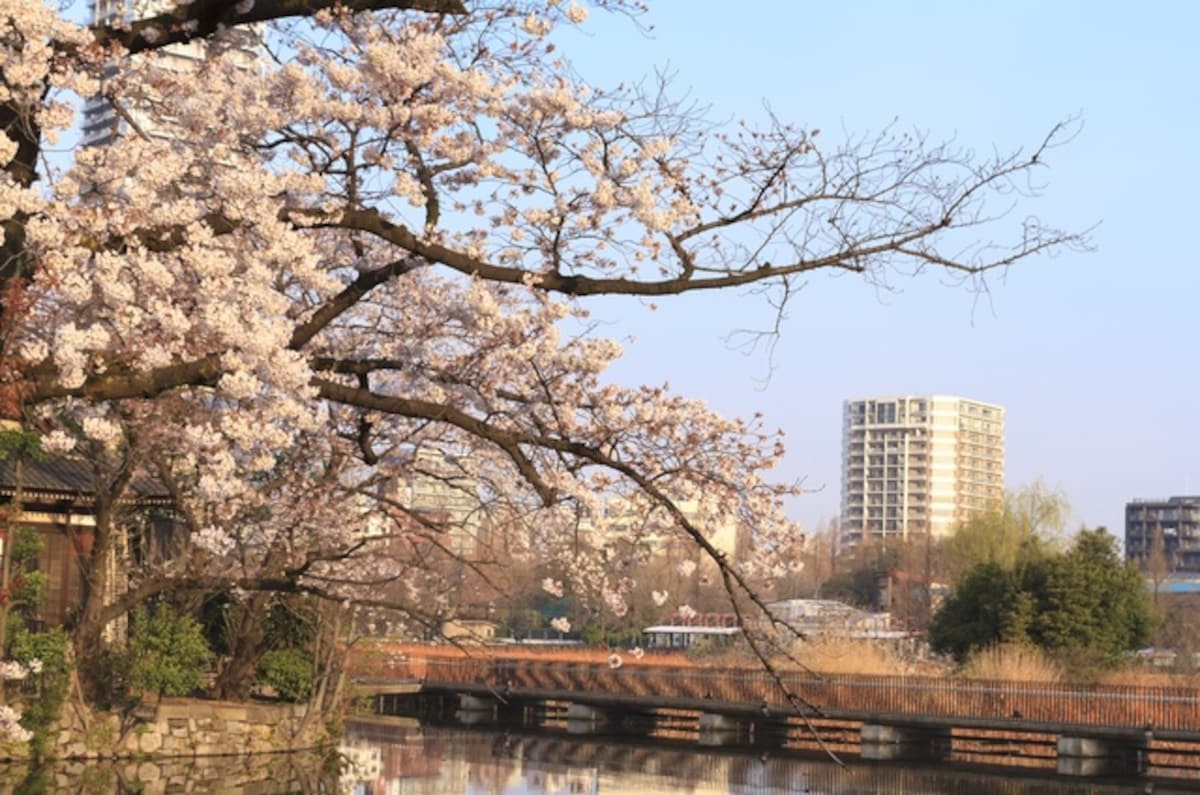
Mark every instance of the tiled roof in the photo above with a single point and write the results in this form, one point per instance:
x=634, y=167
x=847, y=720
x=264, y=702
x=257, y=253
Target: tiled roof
x=68, y=476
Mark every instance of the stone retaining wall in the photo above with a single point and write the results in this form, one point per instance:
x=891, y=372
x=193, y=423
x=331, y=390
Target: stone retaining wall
x=184, y=727
x=265, y=774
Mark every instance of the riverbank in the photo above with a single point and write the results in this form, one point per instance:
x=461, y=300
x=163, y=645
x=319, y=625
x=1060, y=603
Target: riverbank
x=182, y=728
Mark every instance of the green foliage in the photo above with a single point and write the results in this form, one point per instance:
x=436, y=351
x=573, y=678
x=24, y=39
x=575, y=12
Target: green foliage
x=522, y=623
x=215, y=623
x=26, y=589
x=987, y=605
x=1090, y=600
x=50, y=647
x=1021, y=532
x=860, y=572
x=27, y=544
x=1084, y=602
x=859, y=587
x=45, y=691
x=166, y=652
x=23, y=444
x=289, y=672
x=596, y=634
x=290, y=624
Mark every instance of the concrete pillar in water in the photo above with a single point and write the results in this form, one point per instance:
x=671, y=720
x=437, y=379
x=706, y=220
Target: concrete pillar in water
x=881, y=741
x=585, y=719
x=1089, y=756
x=512, y=712
x=718, y=729
x=473, y=710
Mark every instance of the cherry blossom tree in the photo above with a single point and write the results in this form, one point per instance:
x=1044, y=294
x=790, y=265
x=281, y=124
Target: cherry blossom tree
x=290, y=277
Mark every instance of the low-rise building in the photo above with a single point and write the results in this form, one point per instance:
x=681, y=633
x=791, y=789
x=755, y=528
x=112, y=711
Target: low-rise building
x=1171, y=526
x=829, y=618
x=57, y=498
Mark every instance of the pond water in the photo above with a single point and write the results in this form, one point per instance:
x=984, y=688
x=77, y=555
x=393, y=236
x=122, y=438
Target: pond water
x=398, y=757
x=414, y=760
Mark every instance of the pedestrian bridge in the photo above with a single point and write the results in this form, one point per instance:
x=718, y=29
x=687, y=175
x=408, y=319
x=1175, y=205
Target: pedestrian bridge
x=1120, y=725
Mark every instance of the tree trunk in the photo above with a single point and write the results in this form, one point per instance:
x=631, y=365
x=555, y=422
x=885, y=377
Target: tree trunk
x=236, y=676
x=89, y=629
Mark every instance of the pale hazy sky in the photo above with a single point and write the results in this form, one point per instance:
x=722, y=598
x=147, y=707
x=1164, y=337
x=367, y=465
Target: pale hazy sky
x=1093, y=355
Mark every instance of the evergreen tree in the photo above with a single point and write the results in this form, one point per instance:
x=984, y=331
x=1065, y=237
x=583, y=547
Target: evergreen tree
x=1091, y=601
x=1085, y=602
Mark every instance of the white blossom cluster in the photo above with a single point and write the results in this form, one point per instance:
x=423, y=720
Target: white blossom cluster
x=11, y=729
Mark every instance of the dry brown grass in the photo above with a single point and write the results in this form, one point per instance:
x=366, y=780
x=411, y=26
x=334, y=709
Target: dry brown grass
x=1012, y=662
x=844, y=656
x=1146, y=676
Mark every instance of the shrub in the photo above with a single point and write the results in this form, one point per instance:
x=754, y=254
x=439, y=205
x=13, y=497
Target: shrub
x=166, y=653
x=47, y=654
x=289, y=672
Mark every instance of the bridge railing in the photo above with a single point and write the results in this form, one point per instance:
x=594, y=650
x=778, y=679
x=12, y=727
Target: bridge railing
x=1096, y=705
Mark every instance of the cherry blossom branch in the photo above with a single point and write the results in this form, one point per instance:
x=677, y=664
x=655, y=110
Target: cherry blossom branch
x=200, y=19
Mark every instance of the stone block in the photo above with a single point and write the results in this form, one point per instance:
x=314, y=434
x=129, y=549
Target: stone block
x=148, y=772
x=150, y=742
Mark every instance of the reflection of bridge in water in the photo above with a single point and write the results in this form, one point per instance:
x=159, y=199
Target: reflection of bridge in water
x=1081, y=728
x=500, y=757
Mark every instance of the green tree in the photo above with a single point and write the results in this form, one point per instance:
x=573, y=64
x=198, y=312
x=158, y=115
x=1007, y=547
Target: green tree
x=989, y=606
x=1019, y=532
x=1085, y=602
x=1091, y=601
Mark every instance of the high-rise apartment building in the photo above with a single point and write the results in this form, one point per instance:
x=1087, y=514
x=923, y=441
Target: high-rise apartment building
x=918, y=465
x=443, y=491
x=101, y=121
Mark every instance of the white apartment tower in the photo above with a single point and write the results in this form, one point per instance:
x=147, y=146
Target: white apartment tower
x=918, y=465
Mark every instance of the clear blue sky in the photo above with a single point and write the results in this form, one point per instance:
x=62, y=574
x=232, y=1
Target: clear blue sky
x=1093, y=355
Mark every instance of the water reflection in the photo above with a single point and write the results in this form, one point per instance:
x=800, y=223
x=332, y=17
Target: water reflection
x=396, y=759
x=264, y=774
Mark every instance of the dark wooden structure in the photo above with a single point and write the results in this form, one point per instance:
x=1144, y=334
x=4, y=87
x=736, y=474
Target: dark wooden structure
x=58, y=500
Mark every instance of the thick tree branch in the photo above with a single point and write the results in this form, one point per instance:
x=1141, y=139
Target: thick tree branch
x=202, y=18
x=372, y=222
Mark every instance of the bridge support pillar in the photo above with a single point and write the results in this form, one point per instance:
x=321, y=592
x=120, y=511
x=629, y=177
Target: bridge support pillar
x=585, y=719
x=512, y=712
x=718, y=729
x=883, y=742
x=473, y=710
x=1089, y=756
